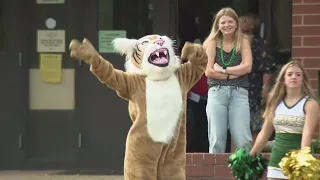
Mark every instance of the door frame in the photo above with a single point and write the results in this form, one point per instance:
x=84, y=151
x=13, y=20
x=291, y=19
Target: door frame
x=19, y=111
x=16, y=43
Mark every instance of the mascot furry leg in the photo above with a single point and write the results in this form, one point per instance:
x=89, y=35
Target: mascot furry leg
x=156, y=86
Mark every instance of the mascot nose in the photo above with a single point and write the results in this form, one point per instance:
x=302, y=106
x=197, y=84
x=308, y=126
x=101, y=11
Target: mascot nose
x=159, y=42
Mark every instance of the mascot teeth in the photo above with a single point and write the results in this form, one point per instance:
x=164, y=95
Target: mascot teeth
x=159, y=57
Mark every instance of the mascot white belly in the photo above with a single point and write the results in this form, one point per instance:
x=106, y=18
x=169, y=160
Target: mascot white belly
x=164, y=105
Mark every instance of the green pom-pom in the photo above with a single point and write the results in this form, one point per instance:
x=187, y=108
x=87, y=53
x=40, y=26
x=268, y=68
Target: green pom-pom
x=246, y=167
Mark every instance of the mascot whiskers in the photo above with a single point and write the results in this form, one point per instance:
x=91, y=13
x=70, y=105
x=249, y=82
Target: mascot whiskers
x=156, y=85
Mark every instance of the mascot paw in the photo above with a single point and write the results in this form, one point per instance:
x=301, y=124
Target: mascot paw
x=84, y=50
x=191, y=51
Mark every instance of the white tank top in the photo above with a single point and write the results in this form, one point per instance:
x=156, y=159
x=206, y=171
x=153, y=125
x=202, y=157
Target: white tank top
x=290, y=119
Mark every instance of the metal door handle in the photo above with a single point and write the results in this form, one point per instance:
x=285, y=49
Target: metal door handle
x=20, y=141
x=79, y=140
x=20, y=59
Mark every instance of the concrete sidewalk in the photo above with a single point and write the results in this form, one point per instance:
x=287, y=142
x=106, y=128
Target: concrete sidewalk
x=52, y=175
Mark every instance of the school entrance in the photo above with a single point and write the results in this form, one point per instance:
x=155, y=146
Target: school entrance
x=68, y=119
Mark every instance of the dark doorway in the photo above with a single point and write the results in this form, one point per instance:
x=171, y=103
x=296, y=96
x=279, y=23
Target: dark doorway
x=104, y=118
x=12, y=111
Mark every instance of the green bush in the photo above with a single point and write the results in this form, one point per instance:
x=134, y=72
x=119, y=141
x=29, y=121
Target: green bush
x=315, y=146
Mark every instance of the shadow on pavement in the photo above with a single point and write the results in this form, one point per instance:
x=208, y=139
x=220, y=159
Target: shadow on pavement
x=90, y=172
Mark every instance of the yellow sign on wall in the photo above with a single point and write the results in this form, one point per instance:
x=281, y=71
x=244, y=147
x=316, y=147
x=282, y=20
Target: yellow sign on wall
x=51, y=67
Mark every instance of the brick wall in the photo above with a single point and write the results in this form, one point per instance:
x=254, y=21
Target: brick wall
x=210, y=166
x=306, y=38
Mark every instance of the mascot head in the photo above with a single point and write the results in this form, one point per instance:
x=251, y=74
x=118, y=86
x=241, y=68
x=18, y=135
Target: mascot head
x=151, y=55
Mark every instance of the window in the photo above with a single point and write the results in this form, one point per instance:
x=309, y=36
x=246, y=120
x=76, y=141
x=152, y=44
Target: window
x=2, y=31
x=134, y=16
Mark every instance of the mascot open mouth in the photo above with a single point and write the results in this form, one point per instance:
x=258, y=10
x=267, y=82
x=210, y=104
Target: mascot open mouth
x=159, y=57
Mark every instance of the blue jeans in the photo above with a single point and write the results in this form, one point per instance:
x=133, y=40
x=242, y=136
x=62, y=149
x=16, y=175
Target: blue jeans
x=228, y=107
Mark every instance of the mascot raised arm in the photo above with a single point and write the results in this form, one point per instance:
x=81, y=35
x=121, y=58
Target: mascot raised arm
x=156, y=85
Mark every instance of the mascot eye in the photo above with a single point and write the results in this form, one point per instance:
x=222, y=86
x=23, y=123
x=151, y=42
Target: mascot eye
x=144, y=43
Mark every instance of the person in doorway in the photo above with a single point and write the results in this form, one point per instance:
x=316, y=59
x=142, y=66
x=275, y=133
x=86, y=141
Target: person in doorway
x=263, y=67
x=229, y=62
x=292, y=111
x=197, y=124
x=197, y=117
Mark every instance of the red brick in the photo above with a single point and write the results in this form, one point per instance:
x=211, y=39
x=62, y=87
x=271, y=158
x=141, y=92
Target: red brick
x=312, y=73
x=197, y=158
x=209, y=158
x=311, y=19
x=305, y=30
x=311, y=41
x=209, y=178
x=296, y=1
x=222, y=171
x=305, y=52
x=221, y=159
x=214, y=172
x=306, y=9
x=311, y=63
x=296, y=41
x=193, y=178
x=314, y=84
x=311, y=1
x=219, y=178
x=199, y=171
x=189, y=159
x=296, y=20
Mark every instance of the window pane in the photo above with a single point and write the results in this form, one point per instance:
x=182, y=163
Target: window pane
x=240, y=6
x=134, y=16
x=2, y=32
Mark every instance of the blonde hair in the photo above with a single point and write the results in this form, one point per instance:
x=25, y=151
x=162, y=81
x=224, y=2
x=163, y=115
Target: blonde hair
x=215, y=32
x=278, y=92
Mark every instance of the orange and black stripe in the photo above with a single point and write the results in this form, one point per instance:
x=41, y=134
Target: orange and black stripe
x=137, y=55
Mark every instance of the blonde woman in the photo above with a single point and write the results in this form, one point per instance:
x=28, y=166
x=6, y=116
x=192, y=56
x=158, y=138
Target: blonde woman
x=292, y=111
x=229, y=62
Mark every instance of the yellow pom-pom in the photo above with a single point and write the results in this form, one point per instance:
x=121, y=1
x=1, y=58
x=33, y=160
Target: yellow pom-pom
x=300, y=164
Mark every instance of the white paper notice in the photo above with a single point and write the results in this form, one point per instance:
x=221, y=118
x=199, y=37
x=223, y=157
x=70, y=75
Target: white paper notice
x=51, y=41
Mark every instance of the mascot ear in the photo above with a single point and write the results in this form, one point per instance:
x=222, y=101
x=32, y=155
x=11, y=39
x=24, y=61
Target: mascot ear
x=124, y=45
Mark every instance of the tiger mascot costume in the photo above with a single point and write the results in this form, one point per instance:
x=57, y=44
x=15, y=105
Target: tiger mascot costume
x=156, y=85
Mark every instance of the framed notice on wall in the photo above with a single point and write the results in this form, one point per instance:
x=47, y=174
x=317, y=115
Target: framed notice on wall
x=106, y=37
x=51, y=41
x=50, y=1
